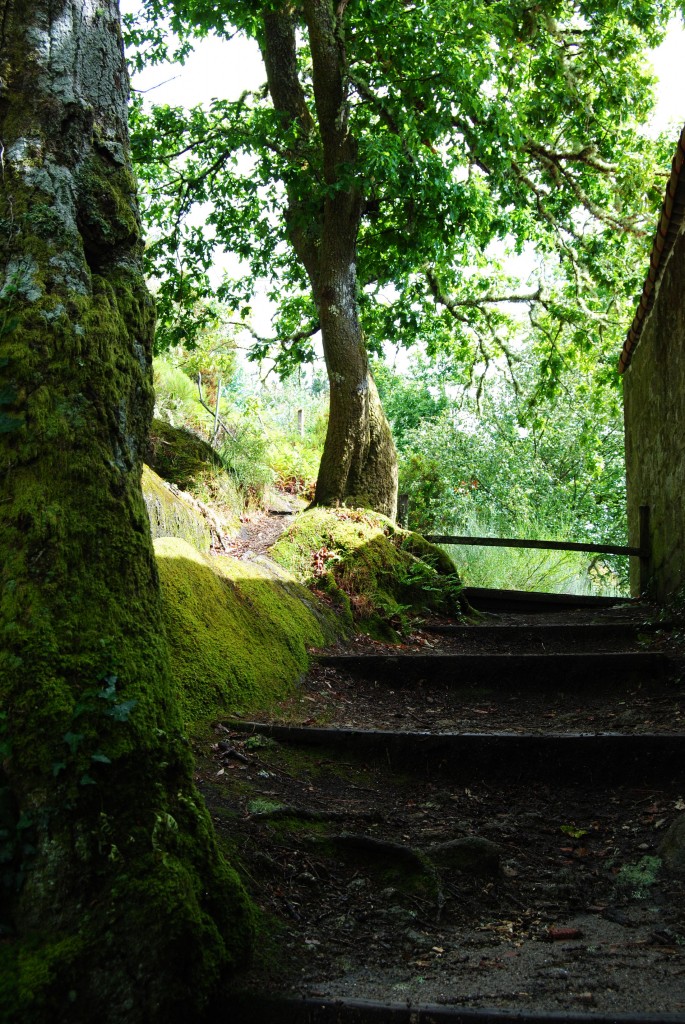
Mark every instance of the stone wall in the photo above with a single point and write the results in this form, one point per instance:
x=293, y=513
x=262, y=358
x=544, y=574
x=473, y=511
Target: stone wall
x=654, y=390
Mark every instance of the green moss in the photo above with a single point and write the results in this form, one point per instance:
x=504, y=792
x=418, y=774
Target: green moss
x=237, y=636
x=375, y=572
x=117, y=903
x=181, y=457
x=169, y=894
x=170, y=515
x=108, y=217
x=30, y=970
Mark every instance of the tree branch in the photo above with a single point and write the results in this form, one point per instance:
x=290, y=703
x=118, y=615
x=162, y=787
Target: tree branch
x=451, y=303
x=287, y=343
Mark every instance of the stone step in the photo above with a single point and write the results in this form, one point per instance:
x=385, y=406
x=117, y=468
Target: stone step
x=490, y=600
x=256, y=1008
x=560, y=633
x=583, y=758
x=549, y=670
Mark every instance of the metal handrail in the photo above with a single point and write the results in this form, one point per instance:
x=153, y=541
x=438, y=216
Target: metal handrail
x=545, y=545
x=643, y=551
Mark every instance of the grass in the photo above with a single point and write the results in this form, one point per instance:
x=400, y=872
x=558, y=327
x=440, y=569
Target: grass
x=556, y=572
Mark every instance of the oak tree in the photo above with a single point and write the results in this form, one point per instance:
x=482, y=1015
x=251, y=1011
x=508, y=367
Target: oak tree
x=397, y=152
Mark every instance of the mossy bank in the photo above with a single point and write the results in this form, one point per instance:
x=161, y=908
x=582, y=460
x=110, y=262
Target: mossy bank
x=378, y=575
x=238, y=636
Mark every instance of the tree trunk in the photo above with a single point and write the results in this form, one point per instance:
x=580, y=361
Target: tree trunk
x=359, y=462
x=116, y=904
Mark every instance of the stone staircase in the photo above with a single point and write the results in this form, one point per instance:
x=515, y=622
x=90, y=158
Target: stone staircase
x=469, y=829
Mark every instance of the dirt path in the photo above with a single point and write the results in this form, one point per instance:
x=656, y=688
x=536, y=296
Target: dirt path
x=409, y=876
x=260, y=529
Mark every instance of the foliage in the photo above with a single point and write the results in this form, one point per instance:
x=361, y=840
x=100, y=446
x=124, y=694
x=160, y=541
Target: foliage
x=243, y=453
x=460, y=156
x=520, y=464
x=640, y=877
x=294, y=454
x=258, y=441
x=176, y=399
x=565, y=572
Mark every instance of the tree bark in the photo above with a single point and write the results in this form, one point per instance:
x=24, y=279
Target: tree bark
x=359, y=461
x=116, y=904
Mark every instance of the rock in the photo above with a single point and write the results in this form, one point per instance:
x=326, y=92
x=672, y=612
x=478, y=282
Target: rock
x=470, y=854
x=672, y=847
x=237, y=637
x=172, y=515
x=180, y=456
x=276, y=503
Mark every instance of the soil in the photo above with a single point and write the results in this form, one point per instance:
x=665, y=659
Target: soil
x=422, y=883
x=260, y=529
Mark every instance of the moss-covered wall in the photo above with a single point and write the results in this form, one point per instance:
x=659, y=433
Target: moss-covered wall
x=654, y=392
x=170, y=515
x=238, y=637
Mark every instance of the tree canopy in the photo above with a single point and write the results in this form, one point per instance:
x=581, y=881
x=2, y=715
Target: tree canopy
x=460, y=135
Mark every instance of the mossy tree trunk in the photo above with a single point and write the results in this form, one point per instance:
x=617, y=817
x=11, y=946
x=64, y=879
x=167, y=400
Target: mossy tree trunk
x=116, y=905
x=359, y=461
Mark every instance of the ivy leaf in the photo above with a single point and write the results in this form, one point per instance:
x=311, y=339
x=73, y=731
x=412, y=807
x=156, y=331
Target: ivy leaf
x=73, y=740
x=121, y=712
x=100, y=758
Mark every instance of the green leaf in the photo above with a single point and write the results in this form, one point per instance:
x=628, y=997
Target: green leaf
x=121, y=712
x=73, y=740
x=100, y=758
x=573, y=831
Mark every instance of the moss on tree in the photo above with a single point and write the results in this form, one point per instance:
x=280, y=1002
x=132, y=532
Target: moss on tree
x=117, y=905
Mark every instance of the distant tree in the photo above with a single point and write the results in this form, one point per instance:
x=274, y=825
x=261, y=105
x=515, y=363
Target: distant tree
x=395, y=153
x=521, y=463
x=115, y=904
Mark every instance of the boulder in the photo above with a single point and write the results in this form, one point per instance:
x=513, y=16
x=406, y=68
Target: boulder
x=173, y=515
x=238, y=636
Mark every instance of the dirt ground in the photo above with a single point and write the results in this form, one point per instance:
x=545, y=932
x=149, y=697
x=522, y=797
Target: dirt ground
x=567, y=910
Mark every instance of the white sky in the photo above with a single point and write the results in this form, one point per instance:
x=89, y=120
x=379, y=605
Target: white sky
x=668, y=61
